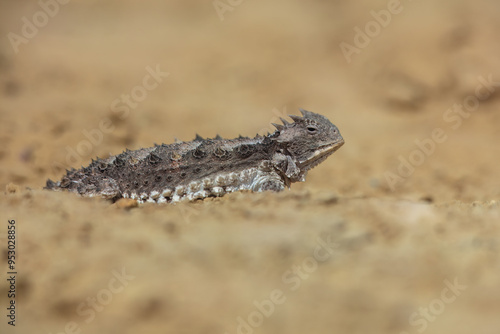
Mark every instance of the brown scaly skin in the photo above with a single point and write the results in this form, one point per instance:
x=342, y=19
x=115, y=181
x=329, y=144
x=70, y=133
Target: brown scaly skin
x=209, y=167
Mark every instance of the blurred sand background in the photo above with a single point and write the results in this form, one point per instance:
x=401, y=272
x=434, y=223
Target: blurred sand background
x=202, y=267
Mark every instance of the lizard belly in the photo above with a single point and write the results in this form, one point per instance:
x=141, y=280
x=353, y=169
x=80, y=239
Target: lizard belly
x=254, y=179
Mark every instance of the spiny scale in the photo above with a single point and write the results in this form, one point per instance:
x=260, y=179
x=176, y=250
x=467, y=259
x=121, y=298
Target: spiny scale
x=208, y=167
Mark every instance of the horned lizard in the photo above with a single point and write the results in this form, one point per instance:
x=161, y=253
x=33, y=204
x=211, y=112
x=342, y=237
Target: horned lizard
x=209, y=167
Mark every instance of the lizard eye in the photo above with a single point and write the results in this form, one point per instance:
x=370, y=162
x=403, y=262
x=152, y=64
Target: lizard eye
x=312, y=129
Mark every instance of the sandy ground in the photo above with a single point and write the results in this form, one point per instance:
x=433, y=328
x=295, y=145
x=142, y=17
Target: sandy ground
x=395, y=233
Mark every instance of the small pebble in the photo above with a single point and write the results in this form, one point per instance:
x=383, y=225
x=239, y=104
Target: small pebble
x=12, y=188
x=126, y=203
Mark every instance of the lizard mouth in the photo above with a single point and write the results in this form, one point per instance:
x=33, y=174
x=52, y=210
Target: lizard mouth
x=320, y=155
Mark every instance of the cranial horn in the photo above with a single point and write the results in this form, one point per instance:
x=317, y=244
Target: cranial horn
x=285, y=122
x=304, y=112
x=278, y=126
x=296, y=119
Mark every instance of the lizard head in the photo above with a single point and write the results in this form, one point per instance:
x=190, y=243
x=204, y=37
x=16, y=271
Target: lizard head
x=309, y=140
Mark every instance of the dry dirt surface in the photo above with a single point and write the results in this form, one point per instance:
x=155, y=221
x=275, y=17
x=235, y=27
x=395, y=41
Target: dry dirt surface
x=397, y=232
